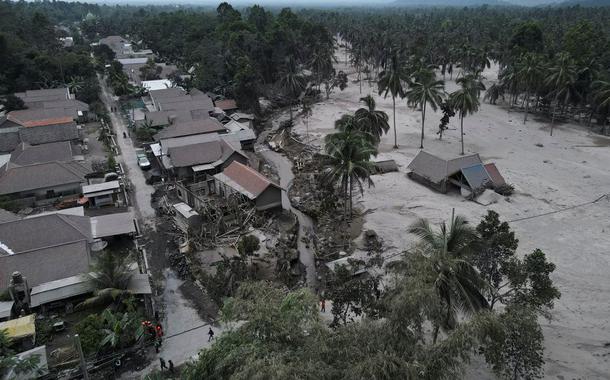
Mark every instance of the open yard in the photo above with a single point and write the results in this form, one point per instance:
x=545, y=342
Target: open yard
x=550, y=174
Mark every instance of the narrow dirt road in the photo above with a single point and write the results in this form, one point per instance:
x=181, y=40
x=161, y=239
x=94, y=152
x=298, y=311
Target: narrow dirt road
x=284, y=170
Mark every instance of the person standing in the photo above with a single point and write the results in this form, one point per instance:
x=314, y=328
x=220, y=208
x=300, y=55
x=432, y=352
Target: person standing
x=171, y=366
x=210, y=334
x=323, y=305
x=163, y=365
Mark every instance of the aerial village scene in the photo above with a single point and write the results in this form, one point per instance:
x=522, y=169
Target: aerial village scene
x=391, y=189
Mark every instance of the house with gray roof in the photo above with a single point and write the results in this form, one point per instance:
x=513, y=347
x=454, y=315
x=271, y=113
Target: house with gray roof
x=41, y=183
x=189, y=128
x=437, y=172
x=45, y=248
x=192, y=157
x=26, y=154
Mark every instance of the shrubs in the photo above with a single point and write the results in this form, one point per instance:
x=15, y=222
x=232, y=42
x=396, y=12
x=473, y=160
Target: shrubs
x=505, y=189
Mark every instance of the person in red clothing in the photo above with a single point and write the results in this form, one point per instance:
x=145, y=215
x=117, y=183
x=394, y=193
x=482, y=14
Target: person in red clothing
x=323, y=305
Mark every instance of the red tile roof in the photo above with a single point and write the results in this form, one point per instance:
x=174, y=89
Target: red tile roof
x=248, y=178
x=52, y=121
x=226, y=105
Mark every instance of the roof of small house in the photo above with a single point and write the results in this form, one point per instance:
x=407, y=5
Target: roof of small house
x=26, y=154
x=436, y=169
x=245, y=180
x=43, y=232
x=40, y=116
x=16, y=178
x=226, y=104
x=195, y=127
x=195, y=154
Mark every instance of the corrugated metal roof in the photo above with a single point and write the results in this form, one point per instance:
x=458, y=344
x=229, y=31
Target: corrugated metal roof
x=112, y=225
x=495, y=175
x=104, y=186
x=476, y=176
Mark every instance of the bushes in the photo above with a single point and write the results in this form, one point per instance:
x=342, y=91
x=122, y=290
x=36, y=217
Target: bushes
x=90, y=333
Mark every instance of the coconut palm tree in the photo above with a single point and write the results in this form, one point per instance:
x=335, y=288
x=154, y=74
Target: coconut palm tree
x=456, y=282
x=110, y=275
x=601, y=97
x=390, y=81
x=372, y=121
x=350, y=166
x=292, y=81
x=423, y=91
x=465, y=101
x=560, y=81
x=529, y=71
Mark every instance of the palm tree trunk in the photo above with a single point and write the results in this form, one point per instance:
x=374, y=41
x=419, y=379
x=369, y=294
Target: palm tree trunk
x=435, y=334
x=527, y=104
x=554, y=113
x=351, y=199
x=462, y=130
x=394, y=111
x=423, y=120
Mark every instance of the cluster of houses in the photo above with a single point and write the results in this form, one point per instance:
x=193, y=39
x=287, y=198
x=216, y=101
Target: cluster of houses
x=62, y=211
x=132, y=60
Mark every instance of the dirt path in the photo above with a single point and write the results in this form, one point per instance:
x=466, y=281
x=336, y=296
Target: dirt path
x=306, y=225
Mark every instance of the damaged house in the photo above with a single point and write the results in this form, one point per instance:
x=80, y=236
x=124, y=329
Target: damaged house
x=252, y=185
x=465, y=172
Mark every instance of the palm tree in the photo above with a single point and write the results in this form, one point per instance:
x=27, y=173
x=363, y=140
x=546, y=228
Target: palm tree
x=560, y=80
x=121, y=329
x=292, y=81
x=390, y=80
x=423, y=91
x=306, y=112
x=456, y=282
x=529, y=72
x=350, y=166
x=372, y=121
x=601, y=97
x=465, y=101
x=110, y=275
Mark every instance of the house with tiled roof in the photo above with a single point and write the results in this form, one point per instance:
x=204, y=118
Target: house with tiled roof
x=254, y=187
x=41, y=183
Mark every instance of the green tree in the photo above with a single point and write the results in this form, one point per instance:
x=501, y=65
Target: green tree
x=560, y=80
x=150, y=71
x=601, y=98
x=530, y=68
x=515, y=351
x=110, y=275
x=372, y=121
x=445, y=259
x=13, y=103
x=349, y=164
x=466, y=102
x=247, y=245
x=495, y=254
x=423, y=91
x=352, y=295
x=390, y=81
x=10, y=362
x=292, y=81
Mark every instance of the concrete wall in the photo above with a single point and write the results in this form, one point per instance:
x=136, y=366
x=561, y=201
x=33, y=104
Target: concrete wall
x=270, y=198
x=46, y=265
x=49, y=133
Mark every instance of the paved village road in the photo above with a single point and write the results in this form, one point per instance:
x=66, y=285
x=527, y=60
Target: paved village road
x=128, y=159
x=185, y=331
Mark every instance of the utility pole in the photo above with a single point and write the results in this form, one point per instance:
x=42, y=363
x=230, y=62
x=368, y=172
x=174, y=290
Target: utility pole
x=83, y=364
